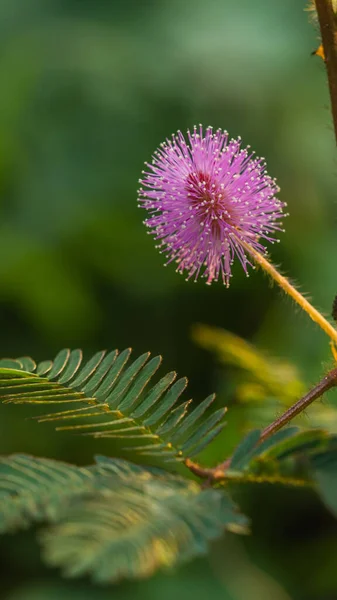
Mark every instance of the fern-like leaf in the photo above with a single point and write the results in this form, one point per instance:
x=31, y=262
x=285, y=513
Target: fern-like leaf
x=109, y=397
x=39, y=489
x=144, y=524
x=112, y=519
x=36, y=489
x=288, y=457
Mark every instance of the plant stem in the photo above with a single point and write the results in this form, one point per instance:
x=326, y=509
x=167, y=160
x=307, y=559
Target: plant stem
x=289, y=289
x=328, y=382
x=218, y=473
x=327, y=18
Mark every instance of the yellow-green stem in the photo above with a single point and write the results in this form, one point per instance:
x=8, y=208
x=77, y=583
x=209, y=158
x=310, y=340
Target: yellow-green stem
x=289, y=289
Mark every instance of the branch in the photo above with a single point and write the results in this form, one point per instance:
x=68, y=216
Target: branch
x=218, y=473
x=328, y=382
x=327, y=18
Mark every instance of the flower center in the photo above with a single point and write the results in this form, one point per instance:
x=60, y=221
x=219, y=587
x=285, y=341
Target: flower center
x=209, y=201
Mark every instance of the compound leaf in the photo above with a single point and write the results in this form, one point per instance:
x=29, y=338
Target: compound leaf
x=112, y=519
x=112, y=397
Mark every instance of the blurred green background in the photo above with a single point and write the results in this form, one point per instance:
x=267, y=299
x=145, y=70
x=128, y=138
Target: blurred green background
x=89, y=88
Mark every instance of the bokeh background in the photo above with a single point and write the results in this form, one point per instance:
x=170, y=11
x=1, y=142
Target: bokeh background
x=89, y=88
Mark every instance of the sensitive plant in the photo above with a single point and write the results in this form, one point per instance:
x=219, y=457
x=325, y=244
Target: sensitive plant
x=209, y=200
x=206, y=197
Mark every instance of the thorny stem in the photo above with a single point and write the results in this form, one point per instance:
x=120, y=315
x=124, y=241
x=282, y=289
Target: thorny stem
x=329, y=381
x=219, y=472
x=327, y=17
x=289, y=289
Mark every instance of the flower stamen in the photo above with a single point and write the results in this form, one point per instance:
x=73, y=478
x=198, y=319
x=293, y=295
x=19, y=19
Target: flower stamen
x=200, y=193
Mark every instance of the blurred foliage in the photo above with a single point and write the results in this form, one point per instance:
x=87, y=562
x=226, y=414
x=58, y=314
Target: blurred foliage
x=113, y=519
x=89, y=90
x=259, y=385
x=260, y=376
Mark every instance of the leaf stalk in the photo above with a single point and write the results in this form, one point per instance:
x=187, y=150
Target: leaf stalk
x=327, y=18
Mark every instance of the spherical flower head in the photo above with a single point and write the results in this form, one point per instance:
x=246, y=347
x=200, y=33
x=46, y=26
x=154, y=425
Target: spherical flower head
x=206, y=198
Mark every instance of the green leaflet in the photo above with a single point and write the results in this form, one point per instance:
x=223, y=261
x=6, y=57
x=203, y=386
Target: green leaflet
x=113, y=397
x=286, y=458
x=294, y=442
x=245, y=449
x=35, y=489
x=290, y=457
x=324, y=466
x=283, y=444
x=112, y=519
x=145, y=523
x=275, y=440
x=325, y=473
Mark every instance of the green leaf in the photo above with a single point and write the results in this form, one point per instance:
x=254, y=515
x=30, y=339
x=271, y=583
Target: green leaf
x=283, y=444
x=205, y=439
x=28, y=364
x=279, y=459
x=61, y=360
x=245, y=449
x=205, y=429
x=35, y=489
x=73, y=365
x=146, y=522
x=44, y=367
x=112, y=519
x=90, y=369
x=112, y=397
x=193, y=417
x=292, y=441
x=274, y=440
x=324, y=466
x=9, y=363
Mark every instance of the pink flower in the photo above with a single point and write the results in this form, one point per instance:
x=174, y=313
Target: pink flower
x=205, y=197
